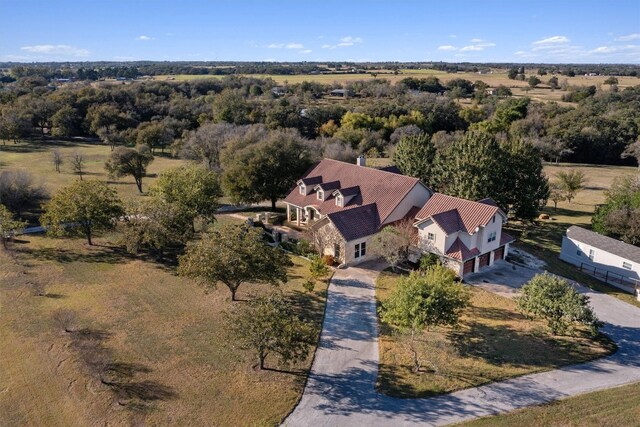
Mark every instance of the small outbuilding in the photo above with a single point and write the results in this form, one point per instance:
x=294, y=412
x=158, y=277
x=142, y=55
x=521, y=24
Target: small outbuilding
x=613, y=261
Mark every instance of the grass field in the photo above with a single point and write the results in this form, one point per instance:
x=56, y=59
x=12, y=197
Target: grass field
x=35, y=157
x=184, y=366
x=493, y=342
x=613, y=407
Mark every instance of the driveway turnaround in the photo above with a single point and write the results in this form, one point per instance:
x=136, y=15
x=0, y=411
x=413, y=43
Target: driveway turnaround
x=341, y=387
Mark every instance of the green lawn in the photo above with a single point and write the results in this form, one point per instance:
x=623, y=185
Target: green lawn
x=493, y=342
x=166, y=327
x=614, y=407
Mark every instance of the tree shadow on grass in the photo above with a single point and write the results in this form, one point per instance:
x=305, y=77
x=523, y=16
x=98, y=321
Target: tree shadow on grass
x=99, y=254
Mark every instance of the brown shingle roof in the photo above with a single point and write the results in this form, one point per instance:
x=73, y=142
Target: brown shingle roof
x=455, y=214
x=379, y=194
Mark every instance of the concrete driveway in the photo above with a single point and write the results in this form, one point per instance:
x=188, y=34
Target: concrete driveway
x=502, y=278
x=341, y=387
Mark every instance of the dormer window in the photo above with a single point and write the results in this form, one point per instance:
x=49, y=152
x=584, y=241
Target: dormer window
x=339, y=200
x=303, y=189
x=320, y=194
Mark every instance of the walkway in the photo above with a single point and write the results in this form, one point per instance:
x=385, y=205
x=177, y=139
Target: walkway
x=340, y=390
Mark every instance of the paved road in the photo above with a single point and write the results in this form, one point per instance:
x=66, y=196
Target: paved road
x=340, y=390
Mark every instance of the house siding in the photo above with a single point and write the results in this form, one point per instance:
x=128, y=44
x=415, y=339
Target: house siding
x=484, y=233
x=418, y=196
x=350, y=249
x=441, y=238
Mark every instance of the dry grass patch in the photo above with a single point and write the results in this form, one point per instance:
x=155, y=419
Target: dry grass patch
x=176, y=363
x=493, y=342
x=614, y=407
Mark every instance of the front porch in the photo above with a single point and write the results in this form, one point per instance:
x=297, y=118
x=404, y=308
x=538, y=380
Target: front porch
x=302, y=216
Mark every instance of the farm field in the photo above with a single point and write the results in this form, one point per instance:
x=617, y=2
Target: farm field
x=613, y=407
x=35, y=157
x=493, y=342
x=167, y=336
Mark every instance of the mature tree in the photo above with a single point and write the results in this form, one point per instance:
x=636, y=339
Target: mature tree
x=619, y=216
x=502, y=91
x=553, y=82
x=233, y=255
x=571, y=182
x=194, y=189
x=41, y=110
x=56, y=159
x=269, y=325
x=533, y=81
x=512, y=73
x=82, y=208
x=8, y=226
x=112, y=137
x=77, y=164
x=611, y=81
x=206, y=143
x=556, y=194
x=154, y=135
x=106, y=116
x=155, y=225
x=19, y=191
x=127, y=161
x=414, y=156
x=266, y=171
x=632, y=150
x=392, y=243
x=65, y=122
x=15, y=123
x=556, y=301
x=424, y=300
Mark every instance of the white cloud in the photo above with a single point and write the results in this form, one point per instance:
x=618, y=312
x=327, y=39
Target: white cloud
x=344, y=42
x=447, y=47
x=328, y=46
x=145, y=38
x=476, y=40
x=628, y=37
x=305, y=51
x=552, y=40
x=57, y=49
x=294, y=46
x=471, y=48
x=276, y=46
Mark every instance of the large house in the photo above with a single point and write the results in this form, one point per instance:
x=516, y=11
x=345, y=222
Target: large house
x=614, y=261
x=345, y=205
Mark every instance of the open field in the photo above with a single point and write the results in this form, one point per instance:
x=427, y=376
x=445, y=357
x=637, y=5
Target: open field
x=613, y=407
x=493, y=342
x=182, y=363
x=35, y=157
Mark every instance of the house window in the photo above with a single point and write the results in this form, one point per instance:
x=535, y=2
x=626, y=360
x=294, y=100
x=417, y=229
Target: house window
x=320, y=195
x=626, y=265
x=494, y=219
x=579, y=252
x=592, y=254
x=492, y=237
x=431, y=237
x=303, y=189
x=339, y=200
x=361, y=249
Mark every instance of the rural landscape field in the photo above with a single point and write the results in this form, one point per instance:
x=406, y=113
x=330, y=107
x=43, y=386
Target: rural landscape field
x=336, y=213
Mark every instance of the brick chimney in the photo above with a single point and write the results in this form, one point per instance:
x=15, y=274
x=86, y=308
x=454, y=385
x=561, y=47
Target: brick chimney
x=361, y=161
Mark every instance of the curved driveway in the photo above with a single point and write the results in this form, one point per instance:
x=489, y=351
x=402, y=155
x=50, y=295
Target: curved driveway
x=341, y=386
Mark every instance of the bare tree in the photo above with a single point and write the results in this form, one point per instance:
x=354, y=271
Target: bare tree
x=56, y=158
x=632, y=150
x=77, y=163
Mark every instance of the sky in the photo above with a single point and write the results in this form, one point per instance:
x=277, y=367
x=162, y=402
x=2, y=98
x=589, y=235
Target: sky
x=560, y=31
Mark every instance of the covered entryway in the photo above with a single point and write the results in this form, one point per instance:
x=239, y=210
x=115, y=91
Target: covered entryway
x=468, y=266
x=498, y=254
x=484, y=260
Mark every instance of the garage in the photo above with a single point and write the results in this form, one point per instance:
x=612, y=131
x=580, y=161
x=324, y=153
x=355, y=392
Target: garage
x=484, y=260
x=468, y=266
x=499, y=254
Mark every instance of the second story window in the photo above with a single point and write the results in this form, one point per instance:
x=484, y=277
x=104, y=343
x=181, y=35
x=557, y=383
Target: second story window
x=431, y=237
x=320, y=195
x=626, y=265
x=492, y=237
x=339, y=200
x=303, y=189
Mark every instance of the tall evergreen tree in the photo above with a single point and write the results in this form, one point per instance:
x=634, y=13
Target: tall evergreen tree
x=414, y=157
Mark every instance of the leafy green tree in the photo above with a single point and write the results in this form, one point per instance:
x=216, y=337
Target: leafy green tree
x=414, y=156
x=571, y=182
x=15, y=123
x=65, y=122
x=155, y=225
x=619, y=216
x=392, y=244
x=8, y=226
x=425, y=300
x=317, y=267
x=268, y=170
x=556, y=194
x=611, y=81
x=269, y=325
x=154, y=135
x=127, y=161
x=194, y=189
x=502, y=91
x=553, y=82
x=512, y=73
x=233, y=255
x=533, y=81
x=82, y=208
x=553, y=299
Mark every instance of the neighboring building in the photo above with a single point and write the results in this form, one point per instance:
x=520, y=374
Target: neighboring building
x=346, y=204
x=342, y=93
x=467, y=235
x=618, y=263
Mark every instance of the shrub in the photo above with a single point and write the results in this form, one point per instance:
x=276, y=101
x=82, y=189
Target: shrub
x=429, y=260
x=328, y=259
x=309, y=285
